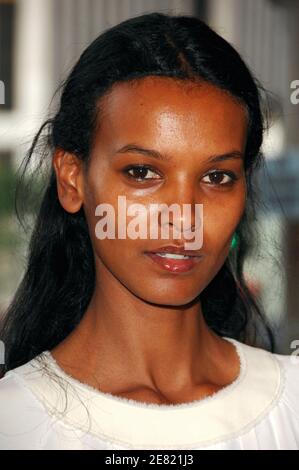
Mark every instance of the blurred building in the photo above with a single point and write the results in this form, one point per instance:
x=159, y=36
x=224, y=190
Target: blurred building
x=41, y=40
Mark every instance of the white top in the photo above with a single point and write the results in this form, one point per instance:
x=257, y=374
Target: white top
x=259, y=410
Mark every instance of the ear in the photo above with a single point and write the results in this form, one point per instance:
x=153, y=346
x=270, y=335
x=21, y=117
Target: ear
x=69, y=176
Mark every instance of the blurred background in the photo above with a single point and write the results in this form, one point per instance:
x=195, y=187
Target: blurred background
x=41, y=39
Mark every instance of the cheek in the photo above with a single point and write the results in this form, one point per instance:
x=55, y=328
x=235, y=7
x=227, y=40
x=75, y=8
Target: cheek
x=98, y=190
x=220, y=221
x=109, y=224
x=119, y=255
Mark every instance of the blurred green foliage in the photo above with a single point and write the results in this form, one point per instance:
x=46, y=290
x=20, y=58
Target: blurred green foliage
x=7, y=186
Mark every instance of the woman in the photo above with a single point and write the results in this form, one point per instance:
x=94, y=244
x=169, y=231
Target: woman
x=139, y=342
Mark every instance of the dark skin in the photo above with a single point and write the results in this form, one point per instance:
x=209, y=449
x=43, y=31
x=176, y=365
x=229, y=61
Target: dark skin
x=144, y=337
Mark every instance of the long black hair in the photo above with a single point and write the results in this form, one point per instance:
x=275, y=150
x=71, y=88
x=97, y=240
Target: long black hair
x=59, y=278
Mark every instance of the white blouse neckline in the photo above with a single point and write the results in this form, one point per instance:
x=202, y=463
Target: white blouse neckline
x=122, y=401
x=222, y=415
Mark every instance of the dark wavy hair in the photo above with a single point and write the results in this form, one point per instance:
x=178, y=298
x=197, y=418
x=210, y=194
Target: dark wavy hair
x=59, y=277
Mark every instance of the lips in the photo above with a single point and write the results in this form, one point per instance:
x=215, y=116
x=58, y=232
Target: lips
x=177, y=249
x=174, y=265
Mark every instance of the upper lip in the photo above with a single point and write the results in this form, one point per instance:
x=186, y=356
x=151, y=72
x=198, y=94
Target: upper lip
x=176, y=249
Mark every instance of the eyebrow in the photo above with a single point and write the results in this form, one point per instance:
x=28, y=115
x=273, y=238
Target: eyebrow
x=133, y=148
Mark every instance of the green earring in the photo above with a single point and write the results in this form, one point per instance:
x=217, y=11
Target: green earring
x=234, y=242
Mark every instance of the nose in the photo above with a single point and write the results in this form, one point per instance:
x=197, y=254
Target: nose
x=181, y=214
x=181, y=219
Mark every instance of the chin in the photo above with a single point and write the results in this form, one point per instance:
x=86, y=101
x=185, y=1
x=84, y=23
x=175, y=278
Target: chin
x=172, y=295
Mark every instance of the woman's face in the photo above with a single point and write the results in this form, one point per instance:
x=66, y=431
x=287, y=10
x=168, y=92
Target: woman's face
x=187, y=125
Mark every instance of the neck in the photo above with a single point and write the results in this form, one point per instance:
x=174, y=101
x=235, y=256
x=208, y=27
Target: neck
x=123, y=342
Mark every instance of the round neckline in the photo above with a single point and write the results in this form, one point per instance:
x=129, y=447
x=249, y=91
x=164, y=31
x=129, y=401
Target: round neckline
x=126, y=423
x=130, y=402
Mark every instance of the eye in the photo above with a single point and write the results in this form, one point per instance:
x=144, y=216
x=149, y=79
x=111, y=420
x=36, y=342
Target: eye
x=139, y=172
x=216, y=178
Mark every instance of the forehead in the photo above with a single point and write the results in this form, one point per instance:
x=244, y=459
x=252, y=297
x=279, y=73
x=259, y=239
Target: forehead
x=163, y=110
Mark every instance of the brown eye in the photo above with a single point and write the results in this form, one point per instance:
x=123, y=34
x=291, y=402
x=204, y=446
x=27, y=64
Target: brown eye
x=139, y=173
x=216, y=178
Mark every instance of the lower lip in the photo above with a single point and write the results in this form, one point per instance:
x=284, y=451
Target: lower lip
x=175, y=265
